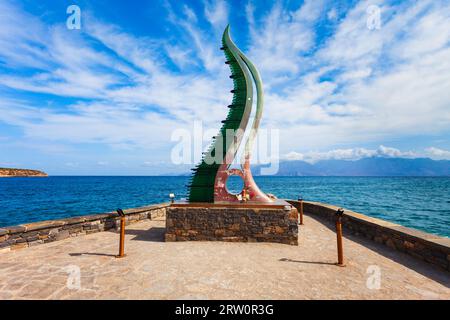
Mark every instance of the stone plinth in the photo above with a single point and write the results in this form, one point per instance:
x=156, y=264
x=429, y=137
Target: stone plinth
x=235, y=223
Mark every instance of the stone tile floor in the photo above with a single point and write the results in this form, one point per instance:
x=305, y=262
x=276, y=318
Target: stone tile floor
x=215, y=270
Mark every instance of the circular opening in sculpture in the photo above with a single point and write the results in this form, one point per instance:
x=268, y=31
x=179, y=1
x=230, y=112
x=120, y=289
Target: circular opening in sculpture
x=235, y=184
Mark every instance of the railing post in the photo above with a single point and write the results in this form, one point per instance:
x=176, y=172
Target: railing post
x=122, y=234
x=340, y=249
x=300, y=200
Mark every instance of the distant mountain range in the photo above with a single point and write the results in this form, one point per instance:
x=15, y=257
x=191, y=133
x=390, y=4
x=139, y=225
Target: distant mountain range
x=375, y=166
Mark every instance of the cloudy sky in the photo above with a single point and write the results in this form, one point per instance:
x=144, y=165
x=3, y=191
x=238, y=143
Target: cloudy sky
x=342, y=79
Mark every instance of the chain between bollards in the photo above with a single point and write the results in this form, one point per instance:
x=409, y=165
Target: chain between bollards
x=340, y=249
x=122, y=234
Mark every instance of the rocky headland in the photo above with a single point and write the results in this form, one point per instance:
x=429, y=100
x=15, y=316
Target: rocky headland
x=8, y=172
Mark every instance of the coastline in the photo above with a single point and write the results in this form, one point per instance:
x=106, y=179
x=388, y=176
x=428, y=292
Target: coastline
x=30, y=176
x=24, y=173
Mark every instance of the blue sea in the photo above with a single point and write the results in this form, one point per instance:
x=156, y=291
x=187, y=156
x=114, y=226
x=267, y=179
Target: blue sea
x=417, y=202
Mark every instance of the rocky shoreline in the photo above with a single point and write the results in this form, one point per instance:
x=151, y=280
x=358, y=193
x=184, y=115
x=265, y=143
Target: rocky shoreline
x=9, y=172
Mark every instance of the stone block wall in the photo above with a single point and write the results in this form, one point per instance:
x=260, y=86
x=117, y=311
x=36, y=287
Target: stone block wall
x=27, y=235
x=424, y=246
x=232, y=224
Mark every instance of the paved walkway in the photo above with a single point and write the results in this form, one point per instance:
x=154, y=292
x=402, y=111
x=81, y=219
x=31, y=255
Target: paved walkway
x=214, y=270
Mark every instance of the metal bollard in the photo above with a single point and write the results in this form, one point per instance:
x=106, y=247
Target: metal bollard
x=300, y=199
x=340, y=249
x=122, y=234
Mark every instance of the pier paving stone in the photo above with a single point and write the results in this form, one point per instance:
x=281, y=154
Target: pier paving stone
x=154, y=269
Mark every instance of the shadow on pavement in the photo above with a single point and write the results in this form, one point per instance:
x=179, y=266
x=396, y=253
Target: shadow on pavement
x=428, y=270
x=154, y=234
x=90, y=254
x=307, y=262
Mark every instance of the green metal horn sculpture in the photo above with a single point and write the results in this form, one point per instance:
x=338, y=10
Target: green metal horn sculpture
x=209, y=178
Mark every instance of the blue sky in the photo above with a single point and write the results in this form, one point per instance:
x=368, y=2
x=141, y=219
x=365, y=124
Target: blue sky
x=105, y=99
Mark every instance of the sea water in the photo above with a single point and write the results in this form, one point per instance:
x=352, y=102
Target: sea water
x=417, y=202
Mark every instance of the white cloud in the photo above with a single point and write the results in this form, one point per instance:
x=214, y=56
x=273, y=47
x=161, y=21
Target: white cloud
x=438, y=154
x=332, y=14
x=190, y=14
x=280, y=39
x=72, y=164
x=22, y=38
x=294, y=156
x=360, y=153
x=216, y=12
x=361, y=88
x=358, y=86
x=131, y=88
x=180, y=56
